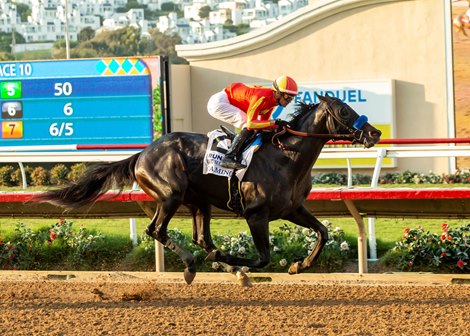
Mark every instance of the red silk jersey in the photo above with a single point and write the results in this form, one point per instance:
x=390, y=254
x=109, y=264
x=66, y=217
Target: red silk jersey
x=257, y=102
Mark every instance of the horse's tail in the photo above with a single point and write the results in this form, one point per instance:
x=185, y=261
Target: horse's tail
x=96, y=180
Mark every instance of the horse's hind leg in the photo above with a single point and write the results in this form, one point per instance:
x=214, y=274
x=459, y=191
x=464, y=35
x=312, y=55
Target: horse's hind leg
x=202, y=237
x=167, y=187
x=158, y=230
x=201, y=226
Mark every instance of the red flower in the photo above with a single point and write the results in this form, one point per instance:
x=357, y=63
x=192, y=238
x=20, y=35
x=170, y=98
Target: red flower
x=53, y=235
x=10, y=247
x=460, y=264
x=449, y=238
x=61, y=220
x=11, y=256
x=444, y=226
x=443, y=237
x=407, y=230
x=443, y=254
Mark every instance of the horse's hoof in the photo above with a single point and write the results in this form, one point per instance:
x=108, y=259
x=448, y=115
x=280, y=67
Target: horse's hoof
x=243, y=279
x=212, y=256
x=189, y=276
x=295, y=268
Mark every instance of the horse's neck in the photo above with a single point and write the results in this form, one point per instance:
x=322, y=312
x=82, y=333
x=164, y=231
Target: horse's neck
x=309, y=148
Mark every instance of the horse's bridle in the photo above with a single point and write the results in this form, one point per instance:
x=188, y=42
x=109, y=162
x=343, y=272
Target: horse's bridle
x=356, y=133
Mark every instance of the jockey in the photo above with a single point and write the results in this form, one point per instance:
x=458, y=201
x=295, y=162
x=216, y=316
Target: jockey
x=250, y=107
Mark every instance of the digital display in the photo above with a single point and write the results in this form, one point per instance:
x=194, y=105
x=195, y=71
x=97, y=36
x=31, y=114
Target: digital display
x=91, y=101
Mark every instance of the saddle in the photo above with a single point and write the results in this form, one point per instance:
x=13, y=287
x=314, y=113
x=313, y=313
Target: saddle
x=218, y=144
x=257, y=140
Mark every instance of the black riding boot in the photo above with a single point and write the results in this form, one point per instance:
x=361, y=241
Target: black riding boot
x=232, y=159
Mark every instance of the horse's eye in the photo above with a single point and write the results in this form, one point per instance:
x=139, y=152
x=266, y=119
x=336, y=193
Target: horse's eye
x=344, y=113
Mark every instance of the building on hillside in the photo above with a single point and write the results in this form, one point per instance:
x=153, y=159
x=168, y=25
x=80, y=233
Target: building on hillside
x=48, y=21
x=9, y=18
x=134, y=17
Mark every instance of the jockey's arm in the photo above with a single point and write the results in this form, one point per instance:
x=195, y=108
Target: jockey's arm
x=252, y=115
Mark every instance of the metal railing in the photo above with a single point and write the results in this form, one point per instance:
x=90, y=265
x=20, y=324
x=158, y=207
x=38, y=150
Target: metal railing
x=100, y=153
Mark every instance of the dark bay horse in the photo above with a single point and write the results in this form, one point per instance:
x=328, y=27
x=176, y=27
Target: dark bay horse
x=274, y=187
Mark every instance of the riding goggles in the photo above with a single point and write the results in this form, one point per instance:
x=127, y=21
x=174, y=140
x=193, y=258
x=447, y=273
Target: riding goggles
x=287, y=97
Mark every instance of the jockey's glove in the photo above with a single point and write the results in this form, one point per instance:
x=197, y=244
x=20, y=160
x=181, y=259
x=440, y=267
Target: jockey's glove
x=281, y=123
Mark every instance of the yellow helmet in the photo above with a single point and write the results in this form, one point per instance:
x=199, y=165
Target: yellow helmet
x=285, y=84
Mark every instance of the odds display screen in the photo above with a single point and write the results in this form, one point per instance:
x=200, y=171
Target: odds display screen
x=90, y=101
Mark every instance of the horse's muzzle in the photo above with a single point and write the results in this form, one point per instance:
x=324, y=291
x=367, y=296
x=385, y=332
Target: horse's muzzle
x=371, y=138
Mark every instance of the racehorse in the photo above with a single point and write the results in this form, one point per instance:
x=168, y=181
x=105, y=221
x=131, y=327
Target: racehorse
x=461, y=23
x=275, y=186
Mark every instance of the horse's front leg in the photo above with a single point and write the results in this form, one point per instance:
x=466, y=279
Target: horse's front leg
x=303, y=217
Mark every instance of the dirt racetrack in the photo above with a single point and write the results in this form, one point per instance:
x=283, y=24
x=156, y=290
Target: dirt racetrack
x=124, y=304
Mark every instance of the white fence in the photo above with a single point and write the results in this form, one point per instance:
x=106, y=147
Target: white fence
x=69, y=153
x=380, y=153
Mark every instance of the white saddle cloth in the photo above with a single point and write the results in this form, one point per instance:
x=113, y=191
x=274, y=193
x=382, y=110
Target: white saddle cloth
x=219, y=140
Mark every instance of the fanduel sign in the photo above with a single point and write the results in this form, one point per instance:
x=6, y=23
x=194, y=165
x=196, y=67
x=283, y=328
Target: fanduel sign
x=375, y=99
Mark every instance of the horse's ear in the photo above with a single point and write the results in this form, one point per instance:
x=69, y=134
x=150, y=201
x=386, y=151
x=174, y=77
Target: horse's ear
x=320, y=97
x=326, y=98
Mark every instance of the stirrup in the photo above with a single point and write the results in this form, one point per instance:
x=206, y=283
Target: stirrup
x=231, y=164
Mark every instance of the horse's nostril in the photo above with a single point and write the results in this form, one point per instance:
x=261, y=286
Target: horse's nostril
x=376, y=133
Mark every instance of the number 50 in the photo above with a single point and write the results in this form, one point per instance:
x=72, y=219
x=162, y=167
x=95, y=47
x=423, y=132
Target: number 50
x=62, y=89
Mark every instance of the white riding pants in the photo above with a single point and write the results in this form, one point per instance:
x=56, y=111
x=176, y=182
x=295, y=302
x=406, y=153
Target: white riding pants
x=220, y=108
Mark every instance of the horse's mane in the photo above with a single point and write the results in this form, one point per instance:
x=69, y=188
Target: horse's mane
x=301, y=110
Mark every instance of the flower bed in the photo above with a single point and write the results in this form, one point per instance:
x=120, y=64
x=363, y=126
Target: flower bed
x=420, y=250
x=61, y=246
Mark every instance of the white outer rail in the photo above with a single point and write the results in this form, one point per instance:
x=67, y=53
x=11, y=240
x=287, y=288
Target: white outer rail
x=379, y=153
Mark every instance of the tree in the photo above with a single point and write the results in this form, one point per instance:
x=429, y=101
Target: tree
x=168, y=7
x=204, y=12
x=58, y=49
x=131, y=4
x=120, y=42
x=86, y=34
x=4, y=56
x=123, y=42
x=240, y=29
x=162, y=44
x=23, y=11
x=6, y=40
